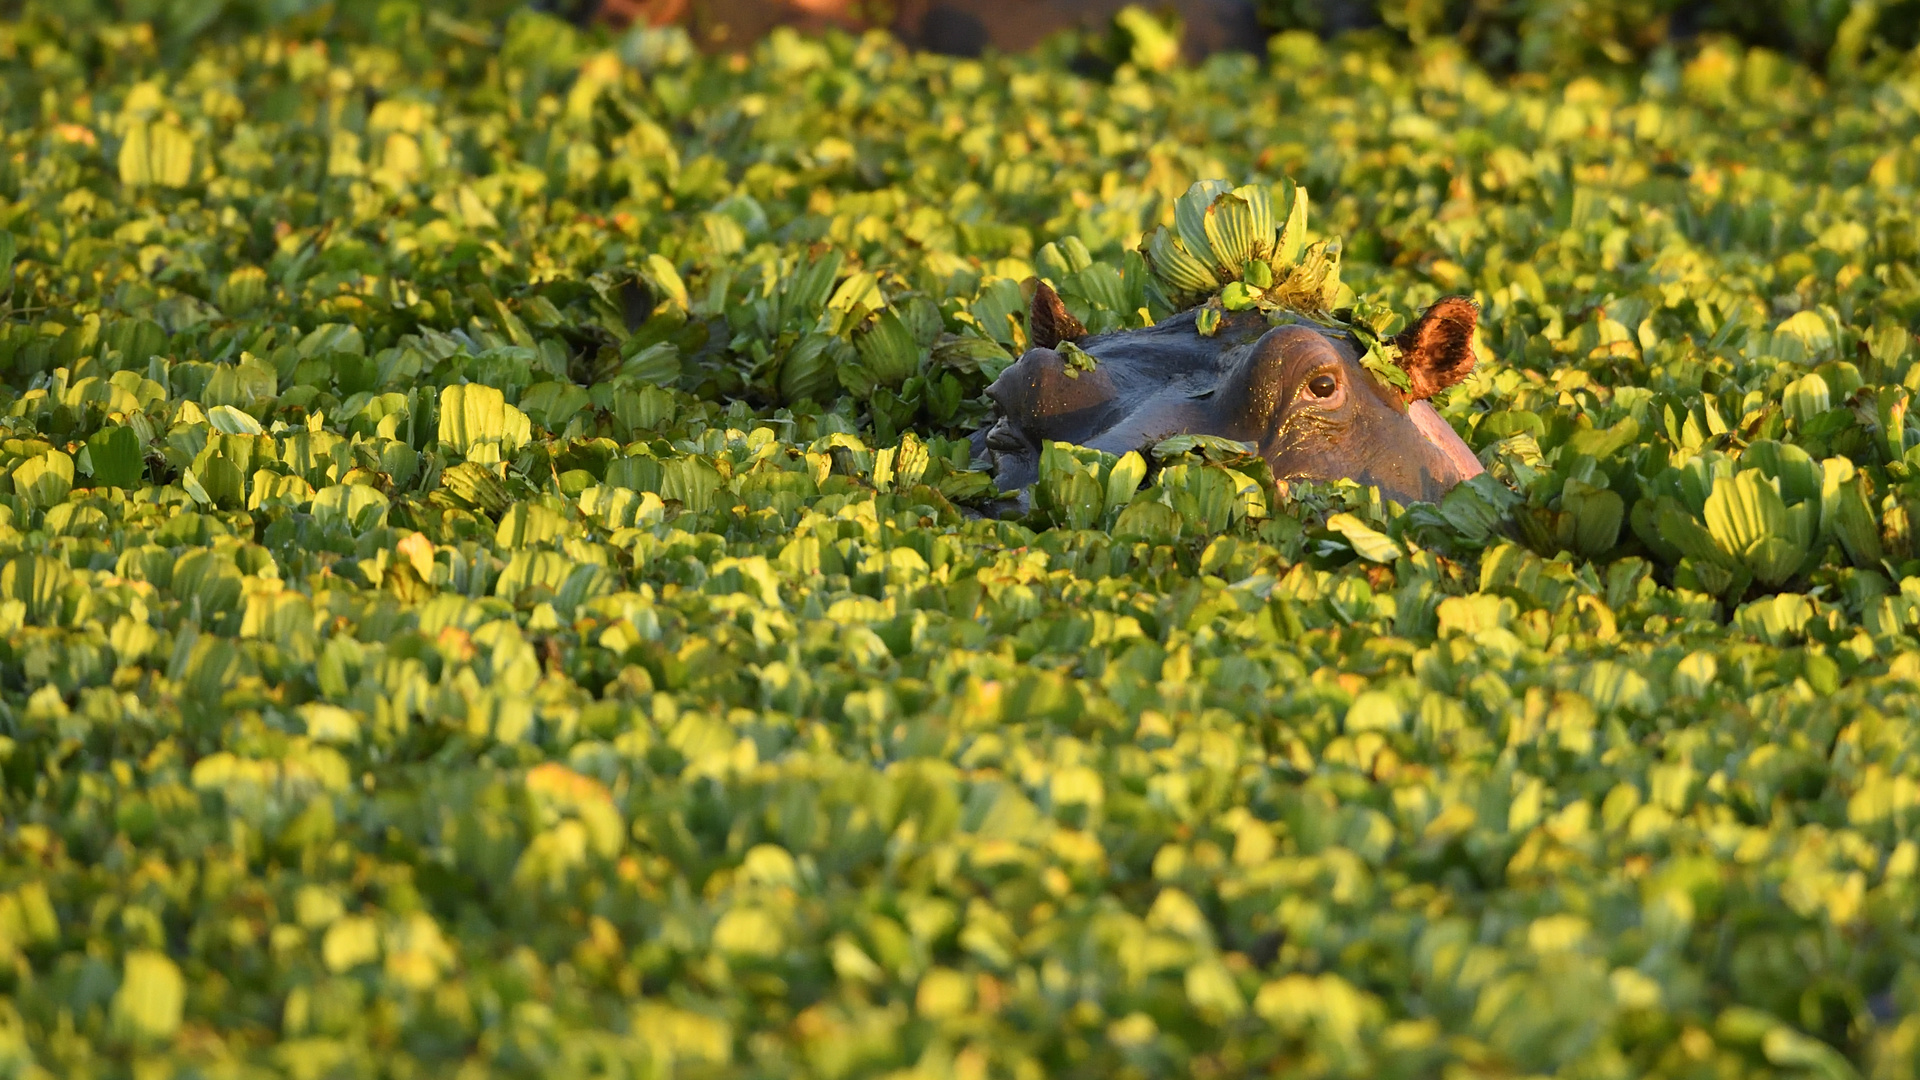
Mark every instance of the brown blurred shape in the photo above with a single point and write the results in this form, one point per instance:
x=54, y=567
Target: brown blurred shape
x=955, y=27
x=651, y=12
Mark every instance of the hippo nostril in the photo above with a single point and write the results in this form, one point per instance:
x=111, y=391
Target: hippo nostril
x=1322, y=386
x=1002, y=437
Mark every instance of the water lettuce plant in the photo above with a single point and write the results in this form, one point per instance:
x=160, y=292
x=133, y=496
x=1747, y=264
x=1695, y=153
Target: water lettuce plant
x=490, y=581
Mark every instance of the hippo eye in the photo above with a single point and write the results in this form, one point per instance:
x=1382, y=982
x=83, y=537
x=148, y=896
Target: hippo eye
x=1322, y=386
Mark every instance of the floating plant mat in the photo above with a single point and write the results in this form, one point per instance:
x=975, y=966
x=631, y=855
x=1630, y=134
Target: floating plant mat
x=487, y=580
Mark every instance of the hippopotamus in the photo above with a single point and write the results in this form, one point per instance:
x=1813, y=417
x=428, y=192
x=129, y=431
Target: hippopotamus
x=1294, y=387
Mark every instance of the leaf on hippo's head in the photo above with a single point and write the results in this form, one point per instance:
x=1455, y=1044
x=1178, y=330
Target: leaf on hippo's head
x=1227, y=237
x=1190, y=218
x=1179, y=271
x=1382, y=361
x=1239, y=227
x=1293, y=235
x=1075, y=360
x=1312, y=285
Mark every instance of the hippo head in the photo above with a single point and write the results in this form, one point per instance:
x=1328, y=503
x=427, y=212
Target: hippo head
x=1296, y=388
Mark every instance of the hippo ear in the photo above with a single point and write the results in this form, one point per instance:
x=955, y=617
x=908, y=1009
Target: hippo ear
x=1049, y=322
x=1437, y=351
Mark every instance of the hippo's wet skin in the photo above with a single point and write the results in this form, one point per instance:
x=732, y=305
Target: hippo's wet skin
x=1298, y=392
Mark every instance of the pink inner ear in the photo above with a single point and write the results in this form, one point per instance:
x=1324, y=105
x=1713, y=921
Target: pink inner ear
x=1441, y=435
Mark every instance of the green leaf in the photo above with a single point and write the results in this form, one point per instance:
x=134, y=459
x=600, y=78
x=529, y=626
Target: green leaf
x=1809, y=334
x=1059, y=260
x=552, y=404
x=190, y=483
x=1477, y=508
x=245, y=289
x=658, y=364
x=157, y=154
x=691, y=481
x=322, y=700
x=35, y=581
x=1749, y=520
x=351, y=941
x=1075, y=359
x=208, y=582
x=911, y=460
x=474, y=416
x=222, y=482
x=1151, y=43
x=1070, y=491
x=1597, y=517
x=859, y=291
x=1182, y=272
x=1796, y=470
x=1891, y=405
x=1846, y=515
x=1381, y=359
x=528, y=524
x=1125, y=478
x=1889, y=342
x=1211, y=989
x=888, y=350
x=1374, y=711
x=357, y=507
x=1208, y=447
x=666, y=283
x=1367, y=542
x=1239, y=227
x=116, y=456
x=1236, y=297
x=152, y=997
x=807, y=372
x=44, y=481
x=1775, y=619
x=228, y=420
x=1805, y=398
x=1790, y=1049
x=1673, y=525
x=473, y=484
x=1190, y=220
x=1148, y=521
x=1206, y=498
x=1603, y=443
x=530, y=569
x=969, y=354
x=1293, y=234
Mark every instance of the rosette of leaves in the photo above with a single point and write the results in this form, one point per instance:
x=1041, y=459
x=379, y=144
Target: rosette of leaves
x=1100, y=298
x=1080, y=488
x=1228, y=250
x=636, y=327
x=878, y=350
x=1230, y=241
x=1204, y=484
x=1576, y=491
x=1762, y=519
x=779, y=329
